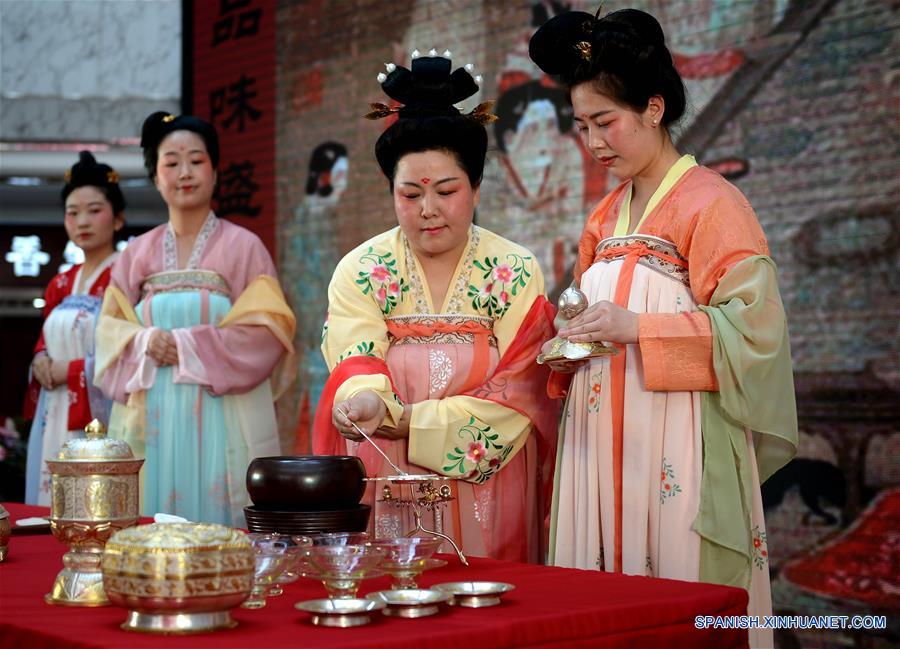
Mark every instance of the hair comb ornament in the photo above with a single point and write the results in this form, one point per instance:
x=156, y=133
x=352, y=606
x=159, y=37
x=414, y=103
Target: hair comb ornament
x=168, y=118
x=68, y=176
x=584, y=49
x=429, y=88
x=112, y=177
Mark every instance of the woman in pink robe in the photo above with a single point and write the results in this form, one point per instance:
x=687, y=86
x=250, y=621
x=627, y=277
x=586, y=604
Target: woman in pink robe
x=192, y=326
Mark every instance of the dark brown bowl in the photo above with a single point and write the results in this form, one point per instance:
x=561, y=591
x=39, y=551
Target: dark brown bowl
x=306, y=482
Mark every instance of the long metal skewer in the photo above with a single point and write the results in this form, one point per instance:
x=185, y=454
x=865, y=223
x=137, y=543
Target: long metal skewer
x=372, y=442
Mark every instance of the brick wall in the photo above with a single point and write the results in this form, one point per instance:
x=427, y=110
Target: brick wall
x=799, y=105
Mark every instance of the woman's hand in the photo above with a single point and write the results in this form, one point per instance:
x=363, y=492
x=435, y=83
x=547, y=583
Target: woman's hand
x=40, y=370
x=59, y=373
x=603, y=321
x=402, y=429
x=365, y=409
x=563, y=366
x=162, y=348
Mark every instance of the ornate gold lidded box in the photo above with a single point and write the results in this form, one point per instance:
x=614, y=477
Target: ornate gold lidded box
x=93, y=493
x=178, y=577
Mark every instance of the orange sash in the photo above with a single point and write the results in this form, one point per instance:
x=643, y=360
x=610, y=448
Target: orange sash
x=632, y=254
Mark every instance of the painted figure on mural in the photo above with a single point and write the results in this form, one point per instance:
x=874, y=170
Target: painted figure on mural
x=665, y=443
x=62, y=398
x=541, y=160
x=433, y=327
x=192, y=327
x=540, y=176
x=310, y=251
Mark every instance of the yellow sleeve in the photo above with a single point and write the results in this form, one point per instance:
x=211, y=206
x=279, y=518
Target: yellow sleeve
x=473, y=438
x=356, y=327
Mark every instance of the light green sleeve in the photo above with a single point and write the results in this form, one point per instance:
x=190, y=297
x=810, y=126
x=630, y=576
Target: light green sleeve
x=752, y=361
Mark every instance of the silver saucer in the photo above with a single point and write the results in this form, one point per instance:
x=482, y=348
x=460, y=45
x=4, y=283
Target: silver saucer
x=412, y=602
x=474, y=594
x=340, y=612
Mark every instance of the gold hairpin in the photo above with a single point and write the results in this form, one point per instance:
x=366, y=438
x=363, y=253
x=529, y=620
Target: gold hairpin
x=168, y=118
x=68, y=176
x=380, y=110
x=482, y=113
x=112, y=177
x=584, y=50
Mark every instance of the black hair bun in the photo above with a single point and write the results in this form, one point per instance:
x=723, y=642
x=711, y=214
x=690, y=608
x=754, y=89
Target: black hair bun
x=86, y=158
x=625, y=51
x=554, y=46
x=151, y=128
x=635, y=23
x=88, y=172
x=570, y=45
x=429, y=88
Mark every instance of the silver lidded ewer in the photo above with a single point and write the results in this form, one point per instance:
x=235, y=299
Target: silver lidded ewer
x=571, y=303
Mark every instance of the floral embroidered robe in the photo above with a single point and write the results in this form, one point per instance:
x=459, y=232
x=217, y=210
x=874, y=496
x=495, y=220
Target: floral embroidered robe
x=200, y=422
x=70, y=314
x=467, y=368
x=663, y=445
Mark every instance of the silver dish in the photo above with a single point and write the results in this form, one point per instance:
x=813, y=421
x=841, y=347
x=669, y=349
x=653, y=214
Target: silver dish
x=340, y=612
x=474, y=594
x=412, y=602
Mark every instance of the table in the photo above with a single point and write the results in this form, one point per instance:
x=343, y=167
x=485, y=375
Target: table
x=550, y=607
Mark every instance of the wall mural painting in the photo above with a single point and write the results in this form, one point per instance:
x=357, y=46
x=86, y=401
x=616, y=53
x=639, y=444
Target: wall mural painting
x=309, y=251
x=539, y=180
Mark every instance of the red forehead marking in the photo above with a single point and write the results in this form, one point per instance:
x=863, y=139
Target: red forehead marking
x=426, y=180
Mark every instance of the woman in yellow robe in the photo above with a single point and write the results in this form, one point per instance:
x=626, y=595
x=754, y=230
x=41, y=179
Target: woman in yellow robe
x=432, y=332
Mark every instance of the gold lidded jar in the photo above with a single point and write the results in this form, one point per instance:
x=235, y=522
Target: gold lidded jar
x=94, y=489
x=178, y=577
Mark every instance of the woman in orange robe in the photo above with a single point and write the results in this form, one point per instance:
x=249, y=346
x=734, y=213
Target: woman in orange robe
x=664, y=443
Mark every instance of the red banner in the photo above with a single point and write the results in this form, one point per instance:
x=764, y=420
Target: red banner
x=231, y=62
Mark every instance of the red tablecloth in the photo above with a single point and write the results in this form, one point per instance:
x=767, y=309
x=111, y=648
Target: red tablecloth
x=550, y=607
